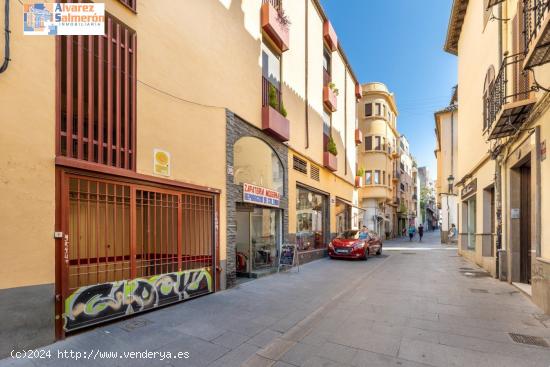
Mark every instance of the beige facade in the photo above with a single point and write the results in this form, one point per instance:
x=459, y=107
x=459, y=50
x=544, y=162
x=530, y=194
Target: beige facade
x=502, y=169
x=446, y=153
x=198, y=86
x=378, y=156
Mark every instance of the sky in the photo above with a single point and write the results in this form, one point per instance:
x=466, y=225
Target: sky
x=400, y=43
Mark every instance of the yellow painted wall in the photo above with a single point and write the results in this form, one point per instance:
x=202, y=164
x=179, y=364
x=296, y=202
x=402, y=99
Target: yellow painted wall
x=27, y=146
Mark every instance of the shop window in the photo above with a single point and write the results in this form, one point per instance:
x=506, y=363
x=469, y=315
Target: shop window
x=368, y=109
x=97, y=84
x=343, y=216
x=368, y=143
x=256, y=163
x=311, y=211
x=471, y=222
x=368, y=177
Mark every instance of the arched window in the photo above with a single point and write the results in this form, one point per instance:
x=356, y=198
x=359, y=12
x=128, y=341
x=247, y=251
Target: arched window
x=487, y=109
x=256, y=163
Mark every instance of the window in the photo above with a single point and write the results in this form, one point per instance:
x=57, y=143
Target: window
x=368, y=109
x=471, y=222
x=97, y=83
x=378, y=109
x=487, y=86
x=384, y=110
x=368, y=177
x=327, y=61
x=383, y=143
x=368, y=143
x=256, y=163
x=271, y=76
x=132, y=4
x=384, y=177
x=377, y=177
x=326, y=123
x=376, y=143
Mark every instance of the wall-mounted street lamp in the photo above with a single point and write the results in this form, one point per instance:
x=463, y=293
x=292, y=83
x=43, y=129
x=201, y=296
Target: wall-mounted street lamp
x=451, y=181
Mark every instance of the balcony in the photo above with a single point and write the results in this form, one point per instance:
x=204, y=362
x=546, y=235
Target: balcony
x=358, y=91
x=537, y=32
x=508, y=104
x=330, y=161
x=274, y=122
x=274, y=24
x=329, y=35
x=358, y=137
x=329, y=98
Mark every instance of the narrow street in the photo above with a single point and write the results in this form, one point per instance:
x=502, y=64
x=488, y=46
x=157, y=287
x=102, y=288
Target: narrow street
x=417, y=304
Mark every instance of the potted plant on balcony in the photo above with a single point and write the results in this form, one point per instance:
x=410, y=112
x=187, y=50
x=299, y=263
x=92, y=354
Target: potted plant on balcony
x=329, y=157
x=274, y=120
x=359, y=177
x=333, y=88
x=275, y=24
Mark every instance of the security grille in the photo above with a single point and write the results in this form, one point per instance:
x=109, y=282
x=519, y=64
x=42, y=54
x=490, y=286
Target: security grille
x=529, y=340
x=132, y=4
x=299, y=164
x=315, y=173
x=96, y=96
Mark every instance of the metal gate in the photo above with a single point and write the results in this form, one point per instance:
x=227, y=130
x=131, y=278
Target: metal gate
x=129, y=247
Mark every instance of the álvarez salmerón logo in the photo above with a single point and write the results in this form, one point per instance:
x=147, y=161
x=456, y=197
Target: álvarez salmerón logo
x=63, y=19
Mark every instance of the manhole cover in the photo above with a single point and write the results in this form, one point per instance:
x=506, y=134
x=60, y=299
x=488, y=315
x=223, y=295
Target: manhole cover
x=408, y=253
x=476, y=290
x=132, y=325
x=529, y=340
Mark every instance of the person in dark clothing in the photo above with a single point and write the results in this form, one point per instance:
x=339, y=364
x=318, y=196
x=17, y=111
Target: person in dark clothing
x=420, y=232
x=411, y=232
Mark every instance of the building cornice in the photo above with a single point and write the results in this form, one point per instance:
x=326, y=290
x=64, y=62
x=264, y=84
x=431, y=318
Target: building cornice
x=454, y=28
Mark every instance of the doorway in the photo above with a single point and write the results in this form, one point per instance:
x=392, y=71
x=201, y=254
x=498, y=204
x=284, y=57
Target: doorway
x=258, y=240
x=525, y=223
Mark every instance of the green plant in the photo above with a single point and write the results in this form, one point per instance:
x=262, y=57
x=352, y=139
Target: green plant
x=283, y=18
x=331, y=146
x=283, y=109
x=272, y=97
x=332, y=87
x=360, y=172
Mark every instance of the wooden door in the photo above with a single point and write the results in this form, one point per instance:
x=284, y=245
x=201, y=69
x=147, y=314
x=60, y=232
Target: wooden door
x=525, y=225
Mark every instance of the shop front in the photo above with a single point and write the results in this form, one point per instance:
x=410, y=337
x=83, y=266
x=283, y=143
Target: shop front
x=312, y=223
x=257, y=206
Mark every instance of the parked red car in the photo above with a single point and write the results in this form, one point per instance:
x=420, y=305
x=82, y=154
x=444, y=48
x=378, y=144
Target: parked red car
x=350, y=245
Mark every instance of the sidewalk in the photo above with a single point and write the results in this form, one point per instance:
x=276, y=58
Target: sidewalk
x=409, y=307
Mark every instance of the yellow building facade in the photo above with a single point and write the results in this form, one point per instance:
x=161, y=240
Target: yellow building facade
x=378, y=158
x=502, y=171
x=209, y=134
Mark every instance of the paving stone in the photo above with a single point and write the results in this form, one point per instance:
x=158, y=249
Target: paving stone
x=230, y=339
x=263, y=338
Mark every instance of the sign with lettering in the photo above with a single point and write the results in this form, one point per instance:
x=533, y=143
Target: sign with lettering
x=260, y=195
x=469, y=189
x=515, y=213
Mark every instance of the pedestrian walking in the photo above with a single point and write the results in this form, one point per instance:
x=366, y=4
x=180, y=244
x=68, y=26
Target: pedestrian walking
x=420, y=232
x=412, y=230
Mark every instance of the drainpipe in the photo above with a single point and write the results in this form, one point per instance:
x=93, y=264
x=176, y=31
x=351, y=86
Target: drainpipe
x=4, y=65
x=498, y=168
x=306, y=101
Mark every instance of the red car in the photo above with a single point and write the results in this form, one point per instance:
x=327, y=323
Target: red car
x=352, y=245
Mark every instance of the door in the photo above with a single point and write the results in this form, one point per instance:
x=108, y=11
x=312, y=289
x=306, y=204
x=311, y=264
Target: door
x=525, y=225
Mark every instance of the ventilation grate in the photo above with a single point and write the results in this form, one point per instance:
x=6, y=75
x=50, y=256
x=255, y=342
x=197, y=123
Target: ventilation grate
x=529, y=340
x=315, y=173
x=477, y=290
x=299, y=164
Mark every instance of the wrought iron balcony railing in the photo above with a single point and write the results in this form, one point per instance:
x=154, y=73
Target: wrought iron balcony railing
x=536, y=32
x=277, y=4
x=508, y=102
x=266, y=87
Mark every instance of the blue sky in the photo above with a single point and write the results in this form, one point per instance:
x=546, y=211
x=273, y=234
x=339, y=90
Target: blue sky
x=400, y=43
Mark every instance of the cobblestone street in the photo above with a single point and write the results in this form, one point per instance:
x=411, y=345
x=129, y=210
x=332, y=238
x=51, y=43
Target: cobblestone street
x=417, y=304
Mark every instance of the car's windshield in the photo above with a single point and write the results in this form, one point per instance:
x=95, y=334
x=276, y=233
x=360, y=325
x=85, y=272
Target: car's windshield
x=349, y=235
